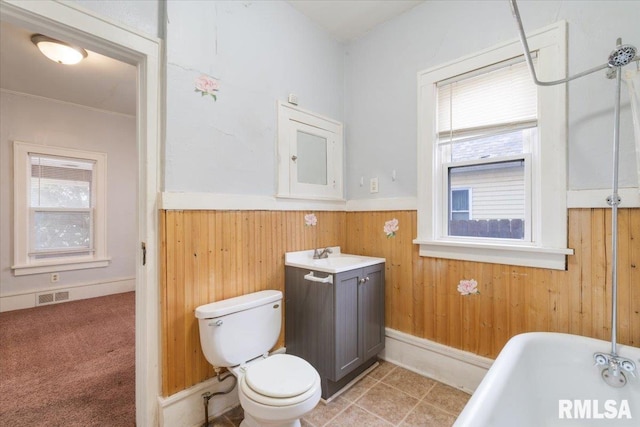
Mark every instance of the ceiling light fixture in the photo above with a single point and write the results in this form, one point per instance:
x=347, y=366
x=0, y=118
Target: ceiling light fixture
x=57, y=51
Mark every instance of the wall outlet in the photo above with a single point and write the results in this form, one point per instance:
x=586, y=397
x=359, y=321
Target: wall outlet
x=373, y=185
x=55, y=277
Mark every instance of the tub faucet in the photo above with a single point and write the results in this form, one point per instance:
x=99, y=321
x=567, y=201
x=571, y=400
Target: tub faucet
x=322, y=253
x=616, y=368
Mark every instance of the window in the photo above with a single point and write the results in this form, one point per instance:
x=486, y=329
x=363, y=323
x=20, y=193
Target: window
x=486, y=134
x=309, y=155
x=460, y=206
x=59, y=209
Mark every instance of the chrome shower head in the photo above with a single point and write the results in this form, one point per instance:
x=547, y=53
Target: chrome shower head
x=622, y=55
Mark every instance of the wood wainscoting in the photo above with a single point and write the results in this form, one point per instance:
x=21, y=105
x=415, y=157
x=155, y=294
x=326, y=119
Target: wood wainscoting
x=213, y=255
x=422, y=297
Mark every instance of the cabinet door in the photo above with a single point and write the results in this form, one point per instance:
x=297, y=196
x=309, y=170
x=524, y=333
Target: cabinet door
x=348, y=339
x=371, y=295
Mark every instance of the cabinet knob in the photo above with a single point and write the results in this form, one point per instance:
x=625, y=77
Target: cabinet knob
x=364, y=279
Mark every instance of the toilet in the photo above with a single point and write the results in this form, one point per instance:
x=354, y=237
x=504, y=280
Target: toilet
x=237, y=333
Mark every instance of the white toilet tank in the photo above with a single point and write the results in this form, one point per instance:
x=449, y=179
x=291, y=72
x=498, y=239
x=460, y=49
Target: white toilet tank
x=236, y=330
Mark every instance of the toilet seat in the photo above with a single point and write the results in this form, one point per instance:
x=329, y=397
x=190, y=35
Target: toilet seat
x=280, y=380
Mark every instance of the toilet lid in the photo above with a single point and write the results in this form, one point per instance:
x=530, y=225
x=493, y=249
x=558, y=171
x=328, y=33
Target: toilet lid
x=281, y=376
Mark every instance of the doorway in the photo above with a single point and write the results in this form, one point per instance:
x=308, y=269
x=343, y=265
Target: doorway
x=68, y=23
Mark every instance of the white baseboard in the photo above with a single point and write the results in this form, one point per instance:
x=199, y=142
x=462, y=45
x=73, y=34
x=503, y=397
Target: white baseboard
x=76, y=292
x=186, y=408
x=457, y=368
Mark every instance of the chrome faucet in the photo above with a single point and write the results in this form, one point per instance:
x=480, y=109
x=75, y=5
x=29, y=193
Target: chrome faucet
x=615, y=368
x=322, y=253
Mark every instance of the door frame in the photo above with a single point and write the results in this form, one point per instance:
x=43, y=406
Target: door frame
x=75, y=25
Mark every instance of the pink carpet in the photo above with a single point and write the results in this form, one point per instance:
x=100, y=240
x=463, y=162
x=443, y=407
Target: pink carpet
x=69, y=364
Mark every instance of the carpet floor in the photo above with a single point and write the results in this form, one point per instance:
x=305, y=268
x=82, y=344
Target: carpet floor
x=69, y=364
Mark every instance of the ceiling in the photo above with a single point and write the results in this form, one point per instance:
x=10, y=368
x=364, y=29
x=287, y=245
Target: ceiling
x=97, y=81
x=107, y=84
x=349, y=19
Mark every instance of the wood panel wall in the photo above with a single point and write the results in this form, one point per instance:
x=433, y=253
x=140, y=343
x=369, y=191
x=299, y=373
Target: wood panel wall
x=422, y=297
x=212, y=255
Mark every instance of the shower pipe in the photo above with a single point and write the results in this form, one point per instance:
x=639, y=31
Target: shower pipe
x=621, y=56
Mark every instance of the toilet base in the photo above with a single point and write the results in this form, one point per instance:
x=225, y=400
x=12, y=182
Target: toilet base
x=249, y=421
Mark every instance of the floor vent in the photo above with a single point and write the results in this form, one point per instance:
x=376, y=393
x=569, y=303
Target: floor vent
x=45, y=299
x=52, y=297
x=62, y=296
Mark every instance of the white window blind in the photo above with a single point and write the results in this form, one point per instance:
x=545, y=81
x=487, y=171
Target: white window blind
x=498, y=98
x=61, y=213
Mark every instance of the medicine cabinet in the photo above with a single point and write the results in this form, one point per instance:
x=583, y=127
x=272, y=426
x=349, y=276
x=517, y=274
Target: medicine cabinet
x=310, y=153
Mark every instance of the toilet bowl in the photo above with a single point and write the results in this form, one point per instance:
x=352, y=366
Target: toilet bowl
x=237, y=333
x=277, y=390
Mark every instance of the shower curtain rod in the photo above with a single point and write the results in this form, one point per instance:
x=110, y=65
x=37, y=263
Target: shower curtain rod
x=527, y=55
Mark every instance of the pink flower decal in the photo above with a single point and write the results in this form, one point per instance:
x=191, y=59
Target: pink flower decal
x=310, y=220
x=207, y=86
x=468, y=287
x=390, y=227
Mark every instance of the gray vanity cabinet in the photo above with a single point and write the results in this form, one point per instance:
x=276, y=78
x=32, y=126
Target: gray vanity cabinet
x=338, y=327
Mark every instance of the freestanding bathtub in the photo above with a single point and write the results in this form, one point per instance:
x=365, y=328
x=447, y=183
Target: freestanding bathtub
x=549, y=379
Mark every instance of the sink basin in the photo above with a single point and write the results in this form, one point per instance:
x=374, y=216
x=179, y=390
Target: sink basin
x=336, y=262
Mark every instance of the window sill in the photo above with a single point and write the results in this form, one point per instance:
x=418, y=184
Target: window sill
x=67, y=265
x=496, y=253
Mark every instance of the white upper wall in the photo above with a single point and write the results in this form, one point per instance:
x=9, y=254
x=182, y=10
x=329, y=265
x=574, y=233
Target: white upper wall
x=381, y=93
x=260, y=52
x=43, y=121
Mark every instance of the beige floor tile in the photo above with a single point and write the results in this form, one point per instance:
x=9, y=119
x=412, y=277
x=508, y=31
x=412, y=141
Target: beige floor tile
x=354, y=416
x=426, y=415
x=387, y=402
x=448, y=398
x=220, y=421
x=359, y=388
x=235, y=415
x=382, y=370
x=411, y=383
x=322, y=413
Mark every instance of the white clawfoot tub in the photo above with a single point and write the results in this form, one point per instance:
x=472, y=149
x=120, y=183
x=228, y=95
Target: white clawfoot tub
x=549, y=379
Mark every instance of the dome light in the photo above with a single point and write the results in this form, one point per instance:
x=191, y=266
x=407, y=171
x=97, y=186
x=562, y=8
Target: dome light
x=57, y=51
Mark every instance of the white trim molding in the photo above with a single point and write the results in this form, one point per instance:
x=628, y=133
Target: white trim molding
x=383, y=204
x=598, y=198
x=215, y=201
x=460, y=369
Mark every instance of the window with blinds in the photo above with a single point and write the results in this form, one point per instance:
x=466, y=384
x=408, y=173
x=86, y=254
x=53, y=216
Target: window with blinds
x=60, y=207
x=486, y=127
x=492, y=155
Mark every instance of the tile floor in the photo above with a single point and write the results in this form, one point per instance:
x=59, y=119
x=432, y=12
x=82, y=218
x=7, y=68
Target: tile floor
x=388, y=396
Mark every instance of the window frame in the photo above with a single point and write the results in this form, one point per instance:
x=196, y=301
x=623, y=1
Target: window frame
x=24, y=262
x=547, y=247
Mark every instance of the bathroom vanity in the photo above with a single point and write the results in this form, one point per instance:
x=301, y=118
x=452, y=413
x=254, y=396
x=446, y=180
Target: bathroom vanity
x=334, y=314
